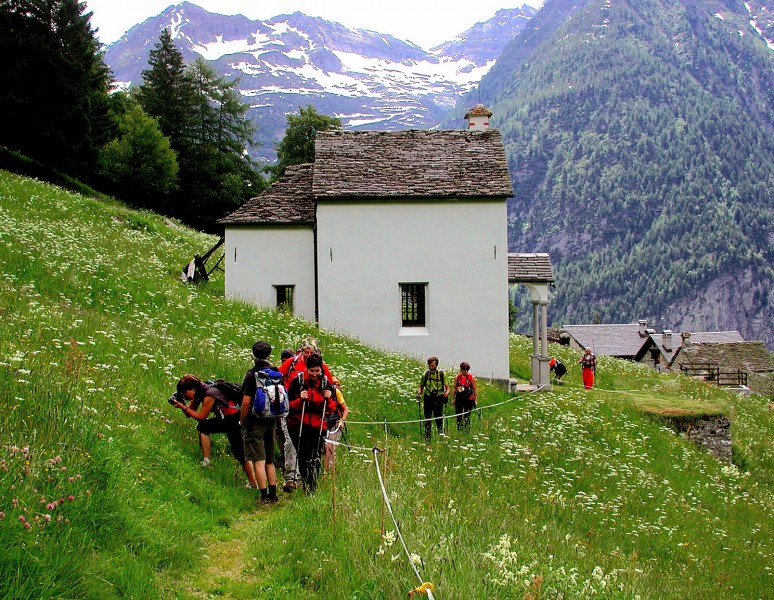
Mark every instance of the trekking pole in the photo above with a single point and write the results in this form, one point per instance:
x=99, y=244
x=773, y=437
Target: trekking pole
x=419, y=409
x=300, y=430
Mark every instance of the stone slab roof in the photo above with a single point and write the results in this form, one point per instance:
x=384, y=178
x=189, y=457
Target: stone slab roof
x=530, y=268
x=747, y=356
x=622, y=341
x=410, y=164
x=699, y=337
x=289, y=201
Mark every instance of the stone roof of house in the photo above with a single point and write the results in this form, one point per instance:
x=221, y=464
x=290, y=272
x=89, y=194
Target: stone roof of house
x=747, y=356
x=622, y=341
x=530, y=267
x=699, y=337
x=410, y=164
x=289, y=201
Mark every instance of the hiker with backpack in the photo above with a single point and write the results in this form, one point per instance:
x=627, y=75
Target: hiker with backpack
x=297, y=363
x=290, y=368
x=557, y=367
x=312, y=399
x=263, y=400
x=435, y=394
x=588, y=363
x=464, y=396
x=287, y=462
x=221, y=400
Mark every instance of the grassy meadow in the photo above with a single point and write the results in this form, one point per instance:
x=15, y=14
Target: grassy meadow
x=562, y=494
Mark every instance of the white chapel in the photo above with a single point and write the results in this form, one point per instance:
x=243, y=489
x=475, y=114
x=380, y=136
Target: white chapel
x=397, y=238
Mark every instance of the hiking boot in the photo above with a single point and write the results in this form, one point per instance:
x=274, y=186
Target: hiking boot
x=206, y=462
x=289, y=486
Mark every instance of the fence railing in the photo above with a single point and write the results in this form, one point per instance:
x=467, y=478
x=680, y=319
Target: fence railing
x=712, y=372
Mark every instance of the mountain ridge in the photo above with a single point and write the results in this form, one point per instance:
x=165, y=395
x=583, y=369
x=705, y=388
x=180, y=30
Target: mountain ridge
x=367, y=79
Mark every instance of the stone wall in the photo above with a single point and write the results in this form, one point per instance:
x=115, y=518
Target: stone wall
x=713, y=433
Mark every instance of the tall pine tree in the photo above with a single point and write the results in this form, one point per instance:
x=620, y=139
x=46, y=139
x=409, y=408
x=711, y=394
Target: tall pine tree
x=201, y=113
x=53, y=83
x=166, y=92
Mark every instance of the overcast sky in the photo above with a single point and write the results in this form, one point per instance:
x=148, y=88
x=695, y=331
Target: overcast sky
x=427, y=23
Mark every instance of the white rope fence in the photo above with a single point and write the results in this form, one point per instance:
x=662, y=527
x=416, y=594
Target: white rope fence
x=424, y=587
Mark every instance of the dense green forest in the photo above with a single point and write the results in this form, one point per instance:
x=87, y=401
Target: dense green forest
x=176, y=145
x=640, y=137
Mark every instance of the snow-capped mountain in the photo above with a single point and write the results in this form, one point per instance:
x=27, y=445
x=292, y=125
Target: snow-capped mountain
x=367, y=79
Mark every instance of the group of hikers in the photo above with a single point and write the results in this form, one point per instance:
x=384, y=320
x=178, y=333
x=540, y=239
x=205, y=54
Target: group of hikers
x=296, y=406
x=434, y=394
x=299, y=405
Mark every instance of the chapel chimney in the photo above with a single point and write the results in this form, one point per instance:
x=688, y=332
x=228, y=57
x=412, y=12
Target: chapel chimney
x=686, y=335
x=667, y=340
x=478, y=118
x=643, y=328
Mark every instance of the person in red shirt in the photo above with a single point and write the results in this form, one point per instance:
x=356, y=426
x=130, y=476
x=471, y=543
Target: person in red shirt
x=297, y=364
x=464, y=396
x=311, y=398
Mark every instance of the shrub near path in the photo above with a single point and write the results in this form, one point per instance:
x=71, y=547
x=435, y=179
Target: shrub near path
x=569, y=493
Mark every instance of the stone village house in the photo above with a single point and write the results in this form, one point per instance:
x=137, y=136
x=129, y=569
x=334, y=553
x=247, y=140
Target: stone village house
x=396, y=238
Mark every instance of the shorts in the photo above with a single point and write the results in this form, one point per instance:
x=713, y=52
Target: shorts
x=258, y=437
x=229, y=426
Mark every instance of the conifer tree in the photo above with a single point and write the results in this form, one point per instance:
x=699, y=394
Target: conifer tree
x=53, y=83
x=166, y=92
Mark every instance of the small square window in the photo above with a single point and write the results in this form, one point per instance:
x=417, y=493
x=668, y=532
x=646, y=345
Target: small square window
x=413, y=304
x=285, y=297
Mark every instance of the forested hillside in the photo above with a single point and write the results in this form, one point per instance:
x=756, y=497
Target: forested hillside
x=640, y=137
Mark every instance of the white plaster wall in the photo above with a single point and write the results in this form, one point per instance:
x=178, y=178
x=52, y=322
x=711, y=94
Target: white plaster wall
x=258, y=258
x=459, y=248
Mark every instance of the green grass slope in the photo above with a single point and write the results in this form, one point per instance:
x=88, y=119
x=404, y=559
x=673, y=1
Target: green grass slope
x=564, y=494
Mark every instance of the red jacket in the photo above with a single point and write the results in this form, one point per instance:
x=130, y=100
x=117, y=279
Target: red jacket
x=296, y=364
x=316, y=403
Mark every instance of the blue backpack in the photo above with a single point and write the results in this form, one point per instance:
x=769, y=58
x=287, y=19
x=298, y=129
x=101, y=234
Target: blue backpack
x=271, y=397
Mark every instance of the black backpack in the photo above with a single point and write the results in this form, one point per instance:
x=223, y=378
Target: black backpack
x=228, y=396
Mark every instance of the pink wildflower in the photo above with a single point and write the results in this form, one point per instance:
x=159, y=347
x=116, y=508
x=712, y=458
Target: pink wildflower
x=15, y=502
x=71, y=497
x=50, y=506
x=27, y=526
x=47, y=517
x=71, y=479
x=64, y=468
x=2, y=515
x=22, y=519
